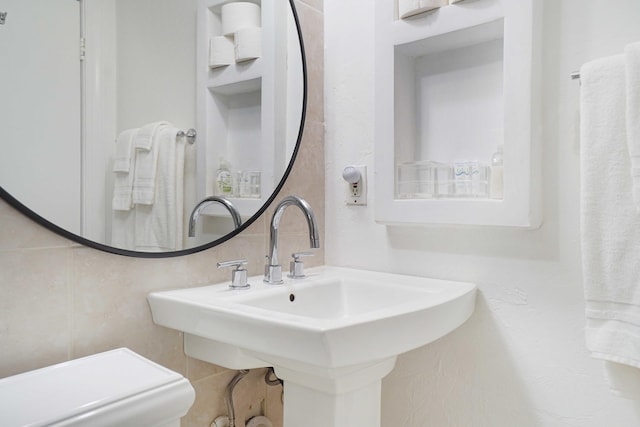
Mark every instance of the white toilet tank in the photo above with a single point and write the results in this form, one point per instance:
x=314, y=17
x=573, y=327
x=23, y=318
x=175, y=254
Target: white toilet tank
x=115, y=388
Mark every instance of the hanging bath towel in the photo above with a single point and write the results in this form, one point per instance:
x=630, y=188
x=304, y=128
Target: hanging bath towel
x=610, y=226
x=159, y=226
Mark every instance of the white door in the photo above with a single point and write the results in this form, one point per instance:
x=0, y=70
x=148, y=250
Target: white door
x=40, y=107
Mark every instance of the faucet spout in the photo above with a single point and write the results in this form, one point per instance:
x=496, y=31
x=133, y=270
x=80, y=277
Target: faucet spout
x=273, y=269
x=195, y=214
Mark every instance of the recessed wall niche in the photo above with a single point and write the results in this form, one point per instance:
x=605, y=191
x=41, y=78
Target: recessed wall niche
x=242, y=103
x=235, y=121
x=462, y=88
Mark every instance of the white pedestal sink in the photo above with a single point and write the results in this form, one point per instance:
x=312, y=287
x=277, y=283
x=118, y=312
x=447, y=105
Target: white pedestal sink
x=331, y=337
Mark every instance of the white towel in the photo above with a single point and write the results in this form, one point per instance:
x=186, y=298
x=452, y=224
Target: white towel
x=123, y=226
x=144, y=182
x=610, y=227
x=123, y=173
x=632, y=58
x=159, y=227
x=144, y=139
x=125, y=151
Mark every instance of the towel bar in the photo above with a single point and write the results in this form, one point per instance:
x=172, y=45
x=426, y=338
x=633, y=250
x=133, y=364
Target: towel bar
x=190, y=135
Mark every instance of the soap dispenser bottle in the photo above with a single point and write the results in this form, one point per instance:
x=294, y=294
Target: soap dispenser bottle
x=224, y=179
x=496, y=180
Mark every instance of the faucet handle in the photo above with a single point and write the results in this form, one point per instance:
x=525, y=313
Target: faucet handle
x=296, y=267
x=239, y=275
x=297, y=255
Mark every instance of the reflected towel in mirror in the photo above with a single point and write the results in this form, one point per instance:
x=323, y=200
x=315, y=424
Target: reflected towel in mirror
x=159, y=227
x=144, y=181
x=123, y=171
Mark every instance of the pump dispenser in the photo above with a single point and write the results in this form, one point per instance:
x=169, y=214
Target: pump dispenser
x=496, y=186
x=224, y=179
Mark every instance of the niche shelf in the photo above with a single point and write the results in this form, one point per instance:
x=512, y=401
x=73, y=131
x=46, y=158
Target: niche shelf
x=239, y=106
x=451, y=86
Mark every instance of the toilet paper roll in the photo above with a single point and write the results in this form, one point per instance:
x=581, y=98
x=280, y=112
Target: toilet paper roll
x=259, y=421
x=239, y=15
x=248, y=44
x=221, y=51
x=409, y=8
x=427, y=5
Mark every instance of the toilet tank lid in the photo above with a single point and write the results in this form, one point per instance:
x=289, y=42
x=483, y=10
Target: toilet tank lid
x=79, y=386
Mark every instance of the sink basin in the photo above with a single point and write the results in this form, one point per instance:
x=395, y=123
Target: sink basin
x=334, y=317
x=334, y=298
x=334, y=332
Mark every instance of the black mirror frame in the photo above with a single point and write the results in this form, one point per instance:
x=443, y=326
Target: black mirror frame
x=124, y=252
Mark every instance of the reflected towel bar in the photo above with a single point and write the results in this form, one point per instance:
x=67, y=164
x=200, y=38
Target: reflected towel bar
x=190, y=135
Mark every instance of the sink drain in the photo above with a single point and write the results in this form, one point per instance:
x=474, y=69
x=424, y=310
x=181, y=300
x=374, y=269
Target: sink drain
x=292, y=297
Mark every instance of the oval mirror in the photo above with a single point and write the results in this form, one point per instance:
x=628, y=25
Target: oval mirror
x=119, y=116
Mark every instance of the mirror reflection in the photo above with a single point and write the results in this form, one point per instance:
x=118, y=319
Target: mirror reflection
x=120, y=117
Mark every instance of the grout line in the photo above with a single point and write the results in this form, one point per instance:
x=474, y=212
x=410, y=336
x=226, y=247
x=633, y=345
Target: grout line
x=70, y=278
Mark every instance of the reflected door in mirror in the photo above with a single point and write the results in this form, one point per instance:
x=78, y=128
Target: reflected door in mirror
x=40, y=108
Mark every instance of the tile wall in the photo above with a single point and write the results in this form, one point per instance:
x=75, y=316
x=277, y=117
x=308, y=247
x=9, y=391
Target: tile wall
x=60, y=301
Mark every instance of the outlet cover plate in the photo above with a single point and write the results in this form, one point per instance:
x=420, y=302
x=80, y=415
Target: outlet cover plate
x=357, y=196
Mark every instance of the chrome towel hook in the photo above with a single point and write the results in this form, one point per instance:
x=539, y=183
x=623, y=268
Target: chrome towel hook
x=190, y=135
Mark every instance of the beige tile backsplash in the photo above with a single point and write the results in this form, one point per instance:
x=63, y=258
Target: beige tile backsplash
x=60, y=301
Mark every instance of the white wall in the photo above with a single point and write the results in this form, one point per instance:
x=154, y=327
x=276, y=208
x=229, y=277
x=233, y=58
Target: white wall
x=156, y=62
x=521, y=359
x=156, y=68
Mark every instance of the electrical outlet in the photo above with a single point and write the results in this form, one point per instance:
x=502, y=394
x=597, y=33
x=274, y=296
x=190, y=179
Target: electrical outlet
x=357, y=192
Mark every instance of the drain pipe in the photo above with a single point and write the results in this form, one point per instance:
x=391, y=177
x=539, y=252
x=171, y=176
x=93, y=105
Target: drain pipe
x=230, y=409
x=230, y=419
x=274, y=382
x=269, y=381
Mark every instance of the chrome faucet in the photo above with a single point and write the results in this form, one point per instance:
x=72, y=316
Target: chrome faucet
x=273, y=270
x=195, y=214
